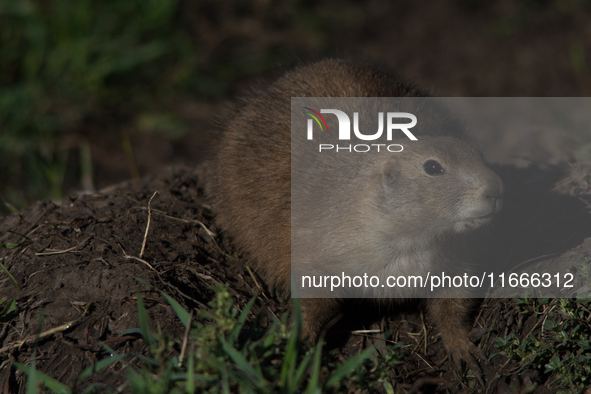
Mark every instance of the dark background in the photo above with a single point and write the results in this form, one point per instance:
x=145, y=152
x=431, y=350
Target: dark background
x=97, y=92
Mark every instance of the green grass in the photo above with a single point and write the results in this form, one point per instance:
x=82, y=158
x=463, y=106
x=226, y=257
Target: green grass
x=65, y=61
x=560, y=350
x=70, y=67
x=225, y=351
x=225, y=354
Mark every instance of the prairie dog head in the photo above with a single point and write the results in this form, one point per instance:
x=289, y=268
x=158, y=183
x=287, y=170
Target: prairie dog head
x=438, y=185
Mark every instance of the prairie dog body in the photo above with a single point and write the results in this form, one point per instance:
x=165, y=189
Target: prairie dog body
x=399, y=219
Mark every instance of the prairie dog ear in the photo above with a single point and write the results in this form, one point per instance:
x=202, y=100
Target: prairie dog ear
x=390, y=173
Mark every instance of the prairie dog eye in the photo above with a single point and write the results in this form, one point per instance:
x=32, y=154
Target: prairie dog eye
x=433, y=168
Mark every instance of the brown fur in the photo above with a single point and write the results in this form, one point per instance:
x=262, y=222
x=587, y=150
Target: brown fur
x=251, y=188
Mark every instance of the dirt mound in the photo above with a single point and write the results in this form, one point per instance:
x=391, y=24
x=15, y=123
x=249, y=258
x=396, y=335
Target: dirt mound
x=82, y=263
x=78, y=266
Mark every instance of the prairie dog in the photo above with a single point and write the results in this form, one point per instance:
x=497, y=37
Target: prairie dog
x=441, y=189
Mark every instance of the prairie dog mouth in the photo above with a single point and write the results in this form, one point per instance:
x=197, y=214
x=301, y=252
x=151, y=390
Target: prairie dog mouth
x=487, y=216
x=481, y=214
x=473, y=222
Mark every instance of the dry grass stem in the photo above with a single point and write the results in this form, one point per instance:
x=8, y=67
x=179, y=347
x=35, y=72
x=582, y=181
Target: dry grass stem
x=33, y=338
x=185, y=340
x=147, y=224
x=53, y=252
x=135, y=258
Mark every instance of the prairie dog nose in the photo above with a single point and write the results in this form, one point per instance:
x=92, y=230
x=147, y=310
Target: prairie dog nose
x=494, y=191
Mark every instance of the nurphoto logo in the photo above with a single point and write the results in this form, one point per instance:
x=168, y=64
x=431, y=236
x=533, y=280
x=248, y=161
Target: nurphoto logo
x=345, y=129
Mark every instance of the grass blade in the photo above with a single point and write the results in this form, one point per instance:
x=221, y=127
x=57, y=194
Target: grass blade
x=233, y=337
x=315, y=376
x=143, y=318
x=32, y=382
x=10, y=276
x=348, y=367
x=181, y=312
x=239, y=360
x=105, y=362
x=291, y=353
x=6, y=309
x=301, y=371
x=190, y=386
x=35, y=376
